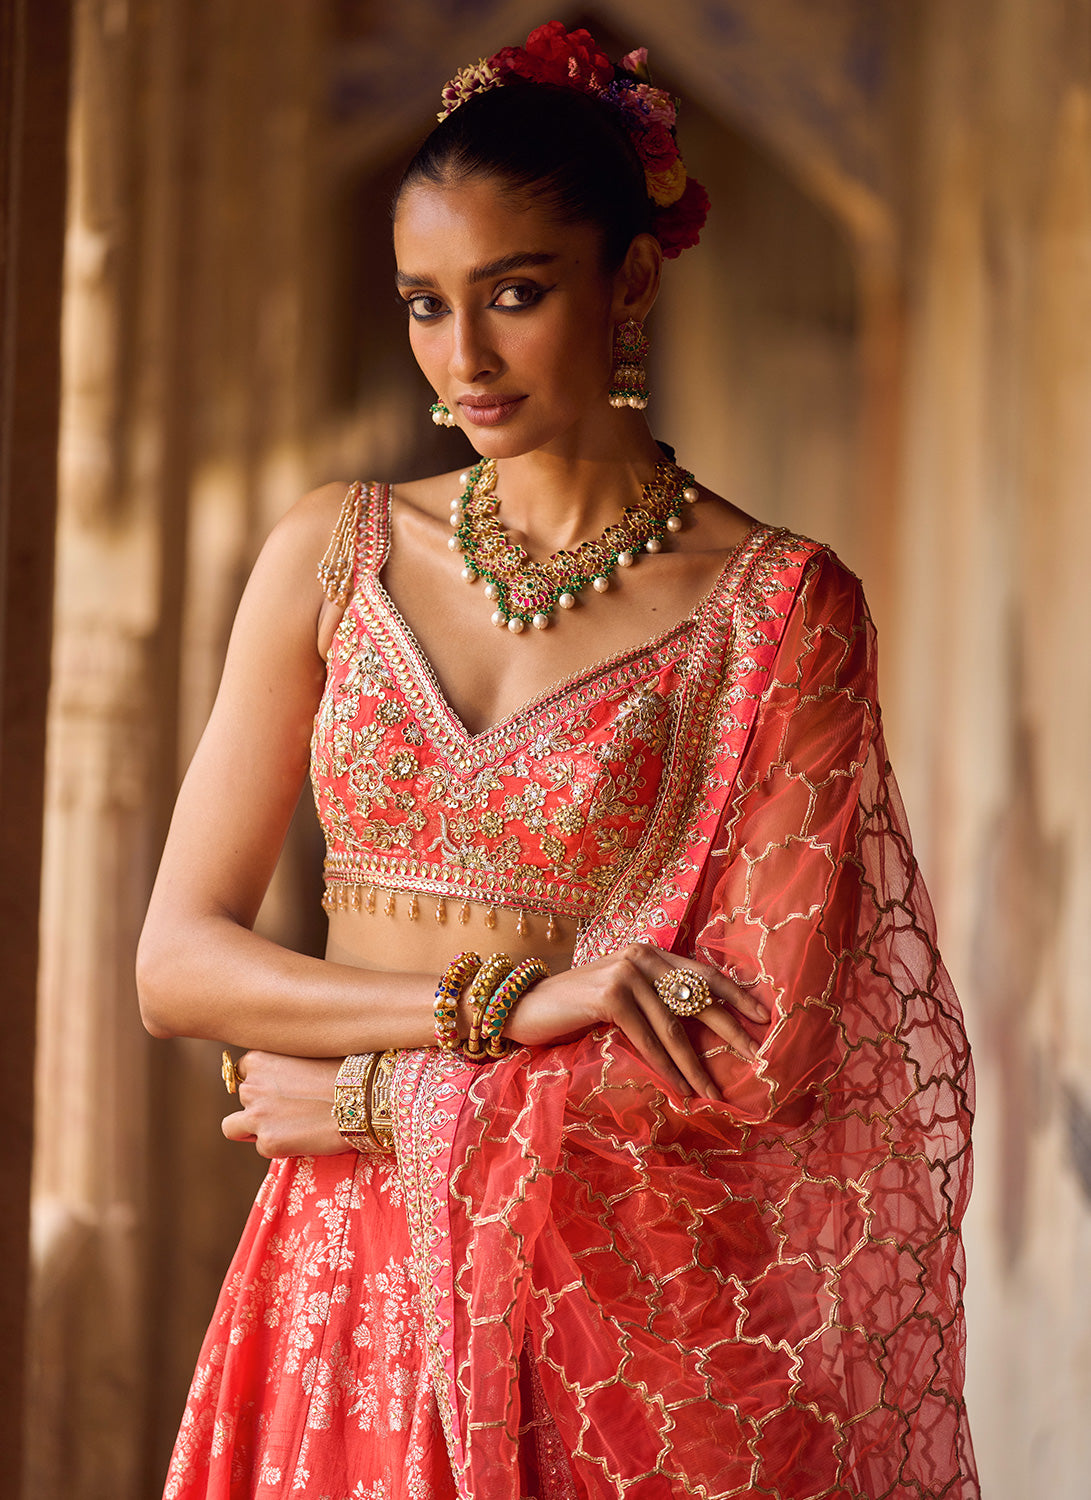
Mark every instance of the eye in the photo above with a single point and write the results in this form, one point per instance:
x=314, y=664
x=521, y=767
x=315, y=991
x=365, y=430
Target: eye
x=423, y=307
x=518, y=294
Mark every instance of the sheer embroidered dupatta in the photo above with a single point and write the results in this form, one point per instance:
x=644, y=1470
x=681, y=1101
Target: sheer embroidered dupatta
x=761, y=1297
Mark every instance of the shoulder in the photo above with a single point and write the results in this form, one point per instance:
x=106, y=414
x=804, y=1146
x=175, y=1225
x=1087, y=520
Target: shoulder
x=284, y=584
x=828, y=639
x=297, y=542
x=823, y=589
x=306, y=528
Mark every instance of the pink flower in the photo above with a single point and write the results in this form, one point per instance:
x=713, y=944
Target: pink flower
x=655, y=104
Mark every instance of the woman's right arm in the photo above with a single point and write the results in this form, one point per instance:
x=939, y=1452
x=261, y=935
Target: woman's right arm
x=201, y=970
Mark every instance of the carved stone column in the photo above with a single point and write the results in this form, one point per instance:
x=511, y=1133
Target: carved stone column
x=184, y=343
x=34, y=83
x=90, y=1154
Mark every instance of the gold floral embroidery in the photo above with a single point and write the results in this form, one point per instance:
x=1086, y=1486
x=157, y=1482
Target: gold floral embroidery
x=402, y=764
x=553, y=848
x=569, y=819
x=646, y=716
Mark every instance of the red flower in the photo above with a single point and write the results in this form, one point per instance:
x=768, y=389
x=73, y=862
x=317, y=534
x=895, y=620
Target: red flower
x=679, y=227
x=654, y=143
x=553, y=55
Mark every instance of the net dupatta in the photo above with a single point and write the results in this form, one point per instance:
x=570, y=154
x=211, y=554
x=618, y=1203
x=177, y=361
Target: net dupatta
x=760, y=1297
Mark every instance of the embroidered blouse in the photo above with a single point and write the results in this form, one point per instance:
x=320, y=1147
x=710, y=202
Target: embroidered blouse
x=536, y=813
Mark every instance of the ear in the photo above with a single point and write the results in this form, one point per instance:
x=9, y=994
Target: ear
x=636, y=284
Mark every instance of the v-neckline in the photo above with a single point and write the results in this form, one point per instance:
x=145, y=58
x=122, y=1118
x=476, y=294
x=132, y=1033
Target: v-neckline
x=414, y=657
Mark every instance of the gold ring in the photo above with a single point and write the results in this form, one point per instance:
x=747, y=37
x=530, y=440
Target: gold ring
x=231, y=1075
x=683, y=991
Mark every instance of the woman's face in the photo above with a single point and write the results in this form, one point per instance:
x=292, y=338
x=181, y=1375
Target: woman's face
x=510, y=314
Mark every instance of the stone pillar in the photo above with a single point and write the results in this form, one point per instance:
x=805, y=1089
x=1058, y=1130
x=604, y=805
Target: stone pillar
x=34, y=84
x=184, y=353
x=90, y=1294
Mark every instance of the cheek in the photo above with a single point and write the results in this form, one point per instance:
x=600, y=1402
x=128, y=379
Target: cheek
x=423, y=348
x=580, y=347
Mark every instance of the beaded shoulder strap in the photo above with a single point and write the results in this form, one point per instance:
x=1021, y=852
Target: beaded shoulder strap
x=359, y=541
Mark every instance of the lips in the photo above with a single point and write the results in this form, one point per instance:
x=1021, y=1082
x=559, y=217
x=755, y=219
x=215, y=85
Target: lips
x=488, y=411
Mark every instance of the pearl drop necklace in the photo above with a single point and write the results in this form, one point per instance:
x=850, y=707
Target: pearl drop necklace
x=527, y=592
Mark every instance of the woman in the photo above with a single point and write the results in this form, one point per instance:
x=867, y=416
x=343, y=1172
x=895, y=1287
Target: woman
x=693, y=1230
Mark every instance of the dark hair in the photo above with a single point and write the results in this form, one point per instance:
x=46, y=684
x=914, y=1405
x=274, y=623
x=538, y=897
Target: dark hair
x=569, y=149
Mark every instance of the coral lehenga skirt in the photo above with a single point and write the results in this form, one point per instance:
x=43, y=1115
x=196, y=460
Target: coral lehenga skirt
x=313, y=1378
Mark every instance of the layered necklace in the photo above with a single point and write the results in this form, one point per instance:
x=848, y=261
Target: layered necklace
x=525, y=592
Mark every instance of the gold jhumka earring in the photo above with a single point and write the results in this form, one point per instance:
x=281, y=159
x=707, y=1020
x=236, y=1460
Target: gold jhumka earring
x=441, y=415
x=629, y=385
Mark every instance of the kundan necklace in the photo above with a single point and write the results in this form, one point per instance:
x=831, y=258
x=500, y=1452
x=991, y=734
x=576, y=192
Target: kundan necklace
x=525, y=592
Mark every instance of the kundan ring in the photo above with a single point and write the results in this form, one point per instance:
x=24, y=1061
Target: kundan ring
x=683, y=991
x=231, y=1075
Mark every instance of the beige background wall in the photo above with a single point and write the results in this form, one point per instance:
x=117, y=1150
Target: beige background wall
x=882, y=341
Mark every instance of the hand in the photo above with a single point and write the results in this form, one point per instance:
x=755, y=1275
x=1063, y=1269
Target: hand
x=287, y=1105
x=620, y=989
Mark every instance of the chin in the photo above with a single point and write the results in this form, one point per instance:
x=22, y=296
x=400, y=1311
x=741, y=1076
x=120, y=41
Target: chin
x=503, y=442
x=516, y=438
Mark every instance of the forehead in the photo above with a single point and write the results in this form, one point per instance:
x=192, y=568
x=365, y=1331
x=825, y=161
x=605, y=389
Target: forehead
x=476, y=221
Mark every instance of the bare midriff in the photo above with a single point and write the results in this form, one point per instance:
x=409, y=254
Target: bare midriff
x=399, y=944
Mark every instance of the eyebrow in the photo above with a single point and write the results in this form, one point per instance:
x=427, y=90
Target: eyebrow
x=520, y=261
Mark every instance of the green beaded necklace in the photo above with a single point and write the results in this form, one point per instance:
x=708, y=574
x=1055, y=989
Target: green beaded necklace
x=525, y=592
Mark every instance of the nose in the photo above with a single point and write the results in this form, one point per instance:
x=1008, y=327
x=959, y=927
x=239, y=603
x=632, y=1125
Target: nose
x=473, y=357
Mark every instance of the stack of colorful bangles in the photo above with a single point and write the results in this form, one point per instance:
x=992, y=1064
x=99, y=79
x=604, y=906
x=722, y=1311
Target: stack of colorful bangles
x=363, y=1092
x=493, y=987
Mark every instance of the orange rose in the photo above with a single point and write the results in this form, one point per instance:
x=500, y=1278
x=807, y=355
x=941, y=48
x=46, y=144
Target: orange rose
x=667, y=186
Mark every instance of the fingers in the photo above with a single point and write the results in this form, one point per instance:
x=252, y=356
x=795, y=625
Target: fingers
x=719, y=1017
x=666, y=1052
x=235, y=1127
x=726, y=990
x=661, y=1038
x=729, y=1030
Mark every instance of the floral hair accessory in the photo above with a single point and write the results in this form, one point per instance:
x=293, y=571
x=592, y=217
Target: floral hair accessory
x=571, y=59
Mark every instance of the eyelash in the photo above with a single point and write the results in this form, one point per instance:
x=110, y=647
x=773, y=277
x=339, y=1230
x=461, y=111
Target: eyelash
x=537, y=293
